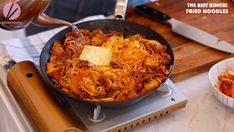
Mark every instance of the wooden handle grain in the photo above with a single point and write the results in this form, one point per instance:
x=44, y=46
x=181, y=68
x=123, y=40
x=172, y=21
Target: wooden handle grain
x=40, y=108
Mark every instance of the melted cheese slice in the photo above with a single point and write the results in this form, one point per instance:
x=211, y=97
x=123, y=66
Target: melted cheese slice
x=96, y=55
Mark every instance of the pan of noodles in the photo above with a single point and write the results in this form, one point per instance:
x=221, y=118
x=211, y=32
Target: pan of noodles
x=116, y=62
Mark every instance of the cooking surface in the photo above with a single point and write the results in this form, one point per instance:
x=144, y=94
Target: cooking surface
x=191, y=57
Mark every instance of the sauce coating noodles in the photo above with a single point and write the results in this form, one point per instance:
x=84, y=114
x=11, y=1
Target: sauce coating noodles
x=138, y=65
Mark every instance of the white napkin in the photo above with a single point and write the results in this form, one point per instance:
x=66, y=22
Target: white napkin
x=29, y=48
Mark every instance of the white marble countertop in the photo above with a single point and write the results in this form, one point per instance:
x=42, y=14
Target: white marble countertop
x=203, y=112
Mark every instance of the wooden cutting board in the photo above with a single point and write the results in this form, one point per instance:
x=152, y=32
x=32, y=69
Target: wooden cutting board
x=191, y=57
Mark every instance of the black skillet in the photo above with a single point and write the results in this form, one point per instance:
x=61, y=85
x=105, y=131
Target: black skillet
x=128, y=28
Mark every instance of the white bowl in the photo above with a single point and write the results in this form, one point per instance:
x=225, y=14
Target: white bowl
x=214, y=72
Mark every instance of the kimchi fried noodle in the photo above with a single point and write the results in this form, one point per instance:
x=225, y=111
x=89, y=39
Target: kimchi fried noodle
x=138, y=65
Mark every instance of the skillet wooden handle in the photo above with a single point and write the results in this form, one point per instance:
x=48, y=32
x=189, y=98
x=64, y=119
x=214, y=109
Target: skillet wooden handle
x=39, y=106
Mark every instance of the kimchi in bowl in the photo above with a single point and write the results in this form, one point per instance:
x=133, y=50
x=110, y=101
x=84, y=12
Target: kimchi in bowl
x=218, y=77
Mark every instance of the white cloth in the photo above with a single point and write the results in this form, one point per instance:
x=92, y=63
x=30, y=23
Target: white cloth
x=29, y=48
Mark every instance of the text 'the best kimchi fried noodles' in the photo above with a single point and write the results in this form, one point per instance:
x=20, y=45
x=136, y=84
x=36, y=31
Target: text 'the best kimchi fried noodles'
x=138, y=65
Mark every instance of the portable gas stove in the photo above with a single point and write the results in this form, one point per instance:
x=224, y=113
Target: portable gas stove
x=168, y=98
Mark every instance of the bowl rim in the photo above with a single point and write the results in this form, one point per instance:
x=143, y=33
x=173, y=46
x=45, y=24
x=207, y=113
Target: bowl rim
x=209, y=76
